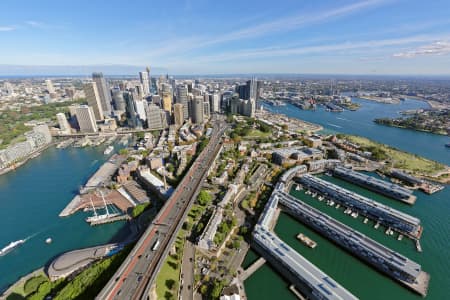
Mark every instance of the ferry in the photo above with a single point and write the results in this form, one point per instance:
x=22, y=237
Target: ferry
x=108, y=150
x=306, y=240
x=11, y=246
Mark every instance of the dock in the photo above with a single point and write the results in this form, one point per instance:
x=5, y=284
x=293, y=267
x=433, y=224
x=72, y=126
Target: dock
x=385, y=260
x=103, y=174
x=110, y=220
x=253, y=268
x=379, y=213
x=385, y=188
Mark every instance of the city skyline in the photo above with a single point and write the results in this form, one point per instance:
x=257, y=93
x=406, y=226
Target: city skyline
x=375, y=37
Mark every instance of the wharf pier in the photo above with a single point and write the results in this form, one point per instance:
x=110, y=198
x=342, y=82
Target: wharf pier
x=385, y=260
x=103, y=174
x=85, y=202
x=110, y=220
x=379, y=213
x=253, y=268
x=306, y=277
x=385, y=188
x=309, y=279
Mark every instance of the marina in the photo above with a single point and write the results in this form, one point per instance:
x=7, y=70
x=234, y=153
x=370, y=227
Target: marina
x=383, y=259
x=389, y=217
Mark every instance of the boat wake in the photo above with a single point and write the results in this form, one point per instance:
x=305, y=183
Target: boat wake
x=94, y=162
x=343, y=119
x=334, y=125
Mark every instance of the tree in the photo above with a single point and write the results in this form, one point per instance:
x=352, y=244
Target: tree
x=217, y=289
x=203, y=289
x=204, y=198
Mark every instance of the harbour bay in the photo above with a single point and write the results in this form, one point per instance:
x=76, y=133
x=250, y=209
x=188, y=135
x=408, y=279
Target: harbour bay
x=31, y=198
x=357, y=277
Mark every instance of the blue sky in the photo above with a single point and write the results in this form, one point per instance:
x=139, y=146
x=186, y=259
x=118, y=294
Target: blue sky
x=212, y=37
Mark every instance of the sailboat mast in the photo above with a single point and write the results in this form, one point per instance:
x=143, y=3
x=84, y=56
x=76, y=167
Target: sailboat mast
x=106, y=206
x=93, y=207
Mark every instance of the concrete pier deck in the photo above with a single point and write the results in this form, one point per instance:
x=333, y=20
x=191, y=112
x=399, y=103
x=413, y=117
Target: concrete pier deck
x=253, y=268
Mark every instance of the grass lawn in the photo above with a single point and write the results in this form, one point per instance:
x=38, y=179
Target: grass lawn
x=255, y=133
x=167, y=281
x=19, y=287
x=402, y=160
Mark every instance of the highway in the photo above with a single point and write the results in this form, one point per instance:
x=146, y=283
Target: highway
x=137, y=273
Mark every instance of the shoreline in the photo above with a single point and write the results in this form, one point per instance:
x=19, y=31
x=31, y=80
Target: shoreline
x=21, y=281
x=21, y=163
x=409, y=128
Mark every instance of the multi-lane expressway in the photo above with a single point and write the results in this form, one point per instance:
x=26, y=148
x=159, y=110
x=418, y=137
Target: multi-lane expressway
x=137, y=273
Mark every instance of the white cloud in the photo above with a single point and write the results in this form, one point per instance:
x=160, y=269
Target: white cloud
x=367, y=46
x=282, y=24
x=35, y=24
x=7, y=28
x=437, y=48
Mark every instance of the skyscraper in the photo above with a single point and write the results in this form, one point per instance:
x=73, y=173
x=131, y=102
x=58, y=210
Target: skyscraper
x=86, y=119
x=206, y=110
x=182, y=98
x=252, y=86
x=64, y=126
x=145, y=81
x=214, y=101
x=154, y=117
x=132, y=116
x=103, y=92
x=197, y=110
x=118, y=101
x=94, y=101
x=49, y=85
x=167, y=102
x=141, y=108
x=178, y=113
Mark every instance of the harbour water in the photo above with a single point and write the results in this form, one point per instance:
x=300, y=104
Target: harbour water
x=31, y=198
x=361, y=123
x=359, y=278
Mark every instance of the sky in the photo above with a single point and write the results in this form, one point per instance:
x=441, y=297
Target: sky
x=375, y=37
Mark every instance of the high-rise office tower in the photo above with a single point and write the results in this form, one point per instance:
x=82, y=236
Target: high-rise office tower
x=154, y=117
x=86, y=119
x=118, y=101
x=64, y=126
x=182, y=98
x=206, y=110
x=145, y=81
x=178, y=114
x=214, y=100
x=141, y=108
x=197, y=110
x=103, y=92
x=94, y=100
x=252, y=88
x=167, y=102
x=132, y=116
x=49, y=86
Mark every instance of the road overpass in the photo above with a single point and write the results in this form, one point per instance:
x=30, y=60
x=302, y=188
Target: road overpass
x=137, y=273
